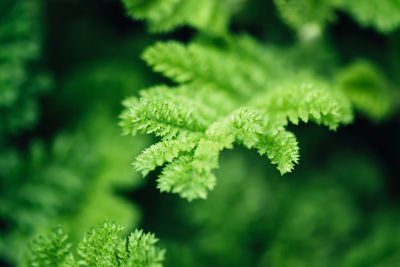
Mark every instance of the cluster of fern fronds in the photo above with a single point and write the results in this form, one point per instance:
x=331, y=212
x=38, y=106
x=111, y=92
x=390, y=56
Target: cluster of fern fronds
x=234, y=90
x=257, y=78
x=103, y=246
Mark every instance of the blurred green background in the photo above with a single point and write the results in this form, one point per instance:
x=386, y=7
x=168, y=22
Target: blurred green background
x=65, y=67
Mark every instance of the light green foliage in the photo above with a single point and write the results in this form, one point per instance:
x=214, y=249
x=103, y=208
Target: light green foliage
x=225, y=97
x=142, y=251
x=307, y=17
x=51, y=251
x=103, y=246
x=367, y=88
x=20, y=85
x=165, y=15
x=383, y=15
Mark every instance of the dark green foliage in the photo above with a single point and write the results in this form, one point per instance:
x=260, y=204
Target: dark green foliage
x=230, y=87
x=381, y=246
x=312, y=218
x=20, y=81
x=61, y=185
x=73, y=177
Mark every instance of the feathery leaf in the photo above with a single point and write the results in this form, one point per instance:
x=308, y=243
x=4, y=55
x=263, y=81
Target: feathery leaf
x=224, y=97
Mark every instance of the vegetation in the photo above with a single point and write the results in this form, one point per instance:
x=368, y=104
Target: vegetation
x=275, y=123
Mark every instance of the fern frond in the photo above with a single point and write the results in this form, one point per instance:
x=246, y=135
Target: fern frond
x=51, y=251
x=367, y=89
x=198, y=96
x=267, y=137
x=98, y=246
x=307, y=17
x=282, y=150
x=306, y=101
x=152, y=10
x=164, y=118
x=383, y=15
x=190, y=175
x=166, y=15
x=247, y=126
x=200, y=63
x=142, y=252
x=161, y=153
x=222, y=99
x=102, y=246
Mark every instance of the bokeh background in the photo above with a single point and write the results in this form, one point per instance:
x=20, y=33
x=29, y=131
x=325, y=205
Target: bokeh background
x=65, y=67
